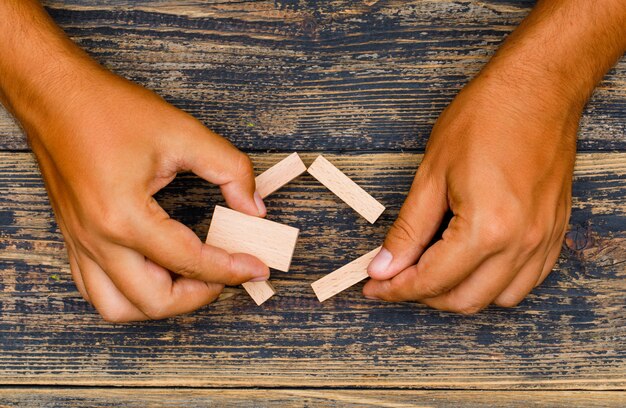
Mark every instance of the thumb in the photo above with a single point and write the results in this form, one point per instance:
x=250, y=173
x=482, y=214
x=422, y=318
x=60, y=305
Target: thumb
x=416, y=225
x=216, y=160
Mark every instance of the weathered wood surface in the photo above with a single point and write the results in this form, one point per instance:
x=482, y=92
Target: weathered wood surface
x=570, y=333
x=142, y=397
x=299, y=75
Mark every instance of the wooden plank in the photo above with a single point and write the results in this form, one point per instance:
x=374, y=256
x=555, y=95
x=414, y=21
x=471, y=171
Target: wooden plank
x=279, y=174
x=339, y=74
x=346, y=189
x=142, y=397
x=568, y=334
x=271, y=242
x=344, y=277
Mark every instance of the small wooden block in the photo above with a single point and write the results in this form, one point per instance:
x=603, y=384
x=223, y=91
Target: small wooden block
x=271, y=242
x=279, y=174
x=235, y=232
x=344, y=277
x=259, y=291
x=346, y=189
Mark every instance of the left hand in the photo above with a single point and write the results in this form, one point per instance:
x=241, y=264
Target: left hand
x=501, y=159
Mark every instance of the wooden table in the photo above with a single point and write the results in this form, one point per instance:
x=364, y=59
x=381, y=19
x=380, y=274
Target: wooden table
x=363, y=82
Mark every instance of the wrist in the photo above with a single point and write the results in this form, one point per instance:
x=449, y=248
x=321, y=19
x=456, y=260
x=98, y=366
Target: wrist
x=39, y=65
x=41, y=93
x=561, y=51
x=517, y=80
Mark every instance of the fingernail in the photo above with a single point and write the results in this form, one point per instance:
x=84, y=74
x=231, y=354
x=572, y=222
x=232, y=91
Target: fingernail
x=260, y=205
x=381, y=262
x=370, y=297
x=259, y=279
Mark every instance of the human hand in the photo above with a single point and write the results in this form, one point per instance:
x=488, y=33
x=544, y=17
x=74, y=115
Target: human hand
x=105, y=146
x=500, y=159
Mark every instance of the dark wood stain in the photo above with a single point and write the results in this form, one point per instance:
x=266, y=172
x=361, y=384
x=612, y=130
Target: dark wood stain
x=343, y=76
x=301, y=75
x=568, y=334
x=107, y=397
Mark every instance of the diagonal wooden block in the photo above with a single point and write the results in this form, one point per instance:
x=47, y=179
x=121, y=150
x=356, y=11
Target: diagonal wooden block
x=344, y=277
x=271, y=242
x=259, y=291
x=346, y=189
x=279, y=174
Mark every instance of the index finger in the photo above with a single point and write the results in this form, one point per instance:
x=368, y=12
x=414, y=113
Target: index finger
x=442, y=266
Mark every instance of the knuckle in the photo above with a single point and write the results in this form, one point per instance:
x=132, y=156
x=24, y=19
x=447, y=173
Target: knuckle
x=403, y=230
x=496, y=233
x=432, y=289
x=533, y=237
x=469, y=307
x=154, y=311
x=245, y=169
x=508, y=300
x=189, y=270
x=114, y=314
x=230, y=271
x=115, y=225
x=191, y=267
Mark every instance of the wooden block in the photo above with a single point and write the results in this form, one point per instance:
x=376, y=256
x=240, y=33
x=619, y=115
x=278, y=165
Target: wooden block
x=271, y=242
x=259, y=291
x=279, y=174
x=344, y=277
x=235, y=232
x=346, y=189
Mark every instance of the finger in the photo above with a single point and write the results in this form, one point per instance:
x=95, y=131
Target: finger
x=151, y=288
x=418, y=221
x=522, y=283
x=216, y=160
x=74, y=268
x=112, y=305
x=178, y=249
x=551, y=260
x=479, y=289
x=77, y=277
x=443, y=266
x=527, y=278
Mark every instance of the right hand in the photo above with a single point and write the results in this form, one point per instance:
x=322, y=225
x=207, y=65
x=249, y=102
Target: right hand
x=105, y=146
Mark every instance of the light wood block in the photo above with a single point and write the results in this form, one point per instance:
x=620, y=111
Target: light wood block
x=259, y=291
x=279, y=174
x=271, y=242
x=346, y=189
x=236, y=232
x=344, y=277
x=266, y=183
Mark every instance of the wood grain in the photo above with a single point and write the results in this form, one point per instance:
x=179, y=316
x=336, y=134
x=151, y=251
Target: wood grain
x=141, y=397
x=570, y=333
x=348, y=275
x=345, y=188
x=298, y=75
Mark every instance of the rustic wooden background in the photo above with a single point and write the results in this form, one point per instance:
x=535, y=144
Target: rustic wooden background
x=363, y=82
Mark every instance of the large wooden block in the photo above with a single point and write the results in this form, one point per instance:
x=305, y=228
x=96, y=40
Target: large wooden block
x=346, y=189
x=344, y=277
x=271, y=242
x=279, y=174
